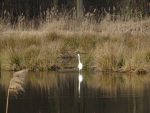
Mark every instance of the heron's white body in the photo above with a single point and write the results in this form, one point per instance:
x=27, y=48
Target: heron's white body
x=80, y=66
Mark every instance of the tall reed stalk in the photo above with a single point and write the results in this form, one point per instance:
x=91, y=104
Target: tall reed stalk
x=16, y=85
x=7, y=101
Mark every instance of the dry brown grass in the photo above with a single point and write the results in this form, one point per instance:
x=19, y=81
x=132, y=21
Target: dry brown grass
x=109, y=45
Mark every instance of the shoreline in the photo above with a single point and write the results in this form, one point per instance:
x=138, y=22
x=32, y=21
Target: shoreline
x=75, y=70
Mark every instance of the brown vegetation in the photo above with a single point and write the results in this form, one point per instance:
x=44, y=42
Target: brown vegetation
x=107, y=46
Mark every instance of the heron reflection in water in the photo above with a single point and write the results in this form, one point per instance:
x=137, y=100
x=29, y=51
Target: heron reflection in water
x=80, y=77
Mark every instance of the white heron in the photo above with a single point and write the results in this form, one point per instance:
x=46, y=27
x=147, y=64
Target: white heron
x=80, y=65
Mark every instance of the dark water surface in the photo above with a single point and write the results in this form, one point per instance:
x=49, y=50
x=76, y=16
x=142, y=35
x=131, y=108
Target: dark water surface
x=58, y=93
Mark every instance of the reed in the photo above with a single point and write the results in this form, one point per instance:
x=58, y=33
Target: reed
x=16, y=85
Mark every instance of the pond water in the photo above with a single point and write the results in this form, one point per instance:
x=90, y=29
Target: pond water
x=59, y=93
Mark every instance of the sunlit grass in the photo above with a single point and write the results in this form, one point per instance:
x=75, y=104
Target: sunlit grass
x=106, y=46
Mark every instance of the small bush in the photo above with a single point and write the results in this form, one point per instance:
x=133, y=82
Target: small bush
x=30, y=56
x=110, y=57
x=16, y=59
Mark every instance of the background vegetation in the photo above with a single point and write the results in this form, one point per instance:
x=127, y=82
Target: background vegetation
x=111, y=36
x=13, y=10
x=121, y=46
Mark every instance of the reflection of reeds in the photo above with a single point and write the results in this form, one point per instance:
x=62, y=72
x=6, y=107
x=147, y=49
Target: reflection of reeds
x=5, y=79
x=16, y=84
x=0, y=66
x=124, y=83
x=49, y=81
x=42, y=80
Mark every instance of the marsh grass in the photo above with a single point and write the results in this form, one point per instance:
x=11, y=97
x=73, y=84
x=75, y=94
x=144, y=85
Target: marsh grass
x=121, y=45
x=110, y=56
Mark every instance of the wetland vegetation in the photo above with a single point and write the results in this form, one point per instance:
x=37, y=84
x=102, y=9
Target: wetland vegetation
x=108, y=45
x=45, y=36
x=109, y=37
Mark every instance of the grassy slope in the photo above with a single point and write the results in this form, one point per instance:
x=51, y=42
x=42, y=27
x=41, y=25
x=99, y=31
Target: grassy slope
x=105, y=46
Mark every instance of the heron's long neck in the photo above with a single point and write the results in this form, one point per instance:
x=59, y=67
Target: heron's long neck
x=79, y=59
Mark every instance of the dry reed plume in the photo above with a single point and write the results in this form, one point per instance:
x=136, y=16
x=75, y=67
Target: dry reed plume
x=16, y=85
